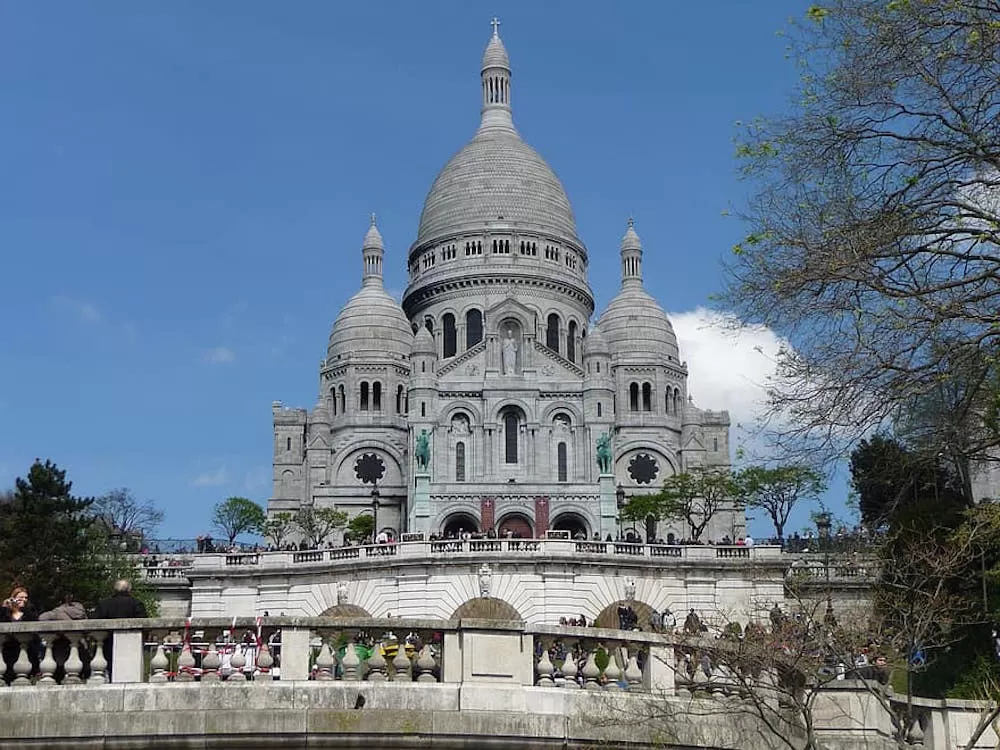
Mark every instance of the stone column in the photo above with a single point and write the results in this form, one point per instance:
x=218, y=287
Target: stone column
x=609, y=506
x=126, y=656
x=420, y=513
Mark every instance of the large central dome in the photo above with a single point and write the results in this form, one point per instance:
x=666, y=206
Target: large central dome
x=496, y=178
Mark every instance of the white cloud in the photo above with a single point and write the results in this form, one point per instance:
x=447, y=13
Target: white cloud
x=215, y=478
x=219, y=355
x=728, y=367
x=86, y=312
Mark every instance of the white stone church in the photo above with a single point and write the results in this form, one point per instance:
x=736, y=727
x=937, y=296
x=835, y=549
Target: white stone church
x=481, y=399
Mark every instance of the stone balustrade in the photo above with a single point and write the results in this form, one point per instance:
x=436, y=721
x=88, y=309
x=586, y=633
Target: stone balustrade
x=452, y=548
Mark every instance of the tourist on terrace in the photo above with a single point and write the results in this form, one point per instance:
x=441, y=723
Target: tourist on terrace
x=121, y=604
x=70, y=609
x=17, y=608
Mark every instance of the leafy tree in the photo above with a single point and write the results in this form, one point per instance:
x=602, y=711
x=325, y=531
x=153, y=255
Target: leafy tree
x=361, y=527
x=317, y=524
x=126, y=516
x=776, y=490
x=874, y=230
x=278, y=527
x=51, y=542
x=238, y=515
x=694, y=496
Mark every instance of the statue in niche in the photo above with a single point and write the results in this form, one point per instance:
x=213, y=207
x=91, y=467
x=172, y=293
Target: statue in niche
x=509, y=353
x=629, y=589
x=342, y=592
x=604, y=453
x=423, y=451
x=485, y=580
x=460, y=425
x=562, y=425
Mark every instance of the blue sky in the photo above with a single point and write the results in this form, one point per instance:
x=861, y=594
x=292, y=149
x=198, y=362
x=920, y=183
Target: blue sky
x=186, y=185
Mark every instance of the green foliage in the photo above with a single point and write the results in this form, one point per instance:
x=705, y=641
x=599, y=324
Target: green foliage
x=52, y=543
x=278, y=527
x=238, y=515
x=316, y=524
x=777, y=489
x=361, y=527
x=694, y=496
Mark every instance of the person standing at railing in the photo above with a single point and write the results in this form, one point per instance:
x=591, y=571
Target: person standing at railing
x=17, y=608
x=121, y=604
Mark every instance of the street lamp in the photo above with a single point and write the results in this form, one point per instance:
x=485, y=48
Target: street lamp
x=375, y=497
x=620, y=499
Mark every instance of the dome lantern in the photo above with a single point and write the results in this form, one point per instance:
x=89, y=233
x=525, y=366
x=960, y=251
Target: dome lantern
x=496, y=82
x=631, y=252
x=372, y=251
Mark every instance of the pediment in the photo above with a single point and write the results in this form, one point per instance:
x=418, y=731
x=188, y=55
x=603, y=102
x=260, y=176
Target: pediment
x=469, y=364
x=318, y=441
x=550, y=365
x=694, y=442
x=510, y=308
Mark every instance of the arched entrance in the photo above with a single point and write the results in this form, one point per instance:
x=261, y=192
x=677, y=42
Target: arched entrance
x=486, y=608
x=458, y=523
x=574, y=523
x=517, y=524
x=608, y=618
x=345, y=610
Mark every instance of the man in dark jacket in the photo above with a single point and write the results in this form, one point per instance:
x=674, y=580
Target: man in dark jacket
x=121, y=605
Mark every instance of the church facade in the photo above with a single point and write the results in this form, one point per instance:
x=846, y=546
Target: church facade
x=490, y=399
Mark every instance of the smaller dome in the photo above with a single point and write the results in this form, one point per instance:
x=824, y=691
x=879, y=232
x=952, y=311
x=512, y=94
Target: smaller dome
x=595, y=343
x=373, y=238
x=495, y=55
x=371, y=323
x=423, y=342
x=637, y=328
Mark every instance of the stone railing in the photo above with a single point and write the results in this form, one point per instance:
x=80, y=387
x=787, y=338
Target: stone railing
x=95, y=652
x=457, y=548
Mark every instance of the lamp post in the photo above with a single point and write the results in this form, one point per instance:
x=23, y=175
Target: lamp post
x=620, y=501
x=375, y=499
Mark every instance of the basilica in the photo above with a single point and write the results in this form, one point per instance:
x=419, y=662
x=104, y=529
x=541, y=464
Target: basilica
x=490, y=399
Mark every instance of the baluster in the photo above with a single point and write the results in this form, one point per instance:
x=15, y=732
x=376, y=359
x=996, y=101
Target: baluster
x=185, y=664
x=351, y=662
x=47, y=666
x=22, y=667
x=159, y=664
x=544, y=667
x=376, y=665
x=569, y=668
x=74, y=664
x=614, y=672
x=210, y=663
x=237, y=662
x=591, y=672
x=633, y=675
x=401, y=664
x=426, y=664
x=324, y=663
x=98, y=664
x=264, y=662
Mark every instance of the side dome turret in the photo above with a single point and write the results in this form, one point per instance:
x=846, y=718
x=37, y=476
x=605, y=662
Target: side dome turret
x=423, y=343
x=634, y=324
x=372, y=322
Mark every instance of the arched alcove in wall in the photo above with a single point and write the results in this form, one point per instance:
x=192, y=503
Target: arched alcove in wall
x=574, y=523
x=516, y=523
x=345, y=610
x=608, y=617
x=459, y=523
x=486, y=608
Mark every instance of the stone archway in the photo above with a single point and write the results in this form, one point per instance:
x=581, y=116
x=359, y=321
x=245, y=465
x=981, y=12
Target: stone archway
x=345, y=610
x=574, y=523
x=608, y=617
x=458, y=523
x=486, y=608
x=517, y=523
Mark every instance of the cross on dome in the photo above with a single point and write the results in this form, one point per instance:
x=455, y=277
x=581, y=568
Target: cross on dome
x=495, y=23
x=373, y=218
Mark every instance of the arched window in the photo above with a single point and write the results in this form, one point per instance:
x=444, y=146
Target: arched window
x=552, y=333
x=715, y=444
x=561, y=461
x=288, y=444
x=459, y=462
x=449, y=335
x=473, y=328
x=376, y=396
x=429, y=323
x=633, y=397
x=647, y=397
x=677, y=401
x=667, y=399
x=598, y=408
x=571, y=342
x=333, y=399
x=423, y=408
x=343, y=400
x=399, y=400
x=364, y=396
x=510, y=429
